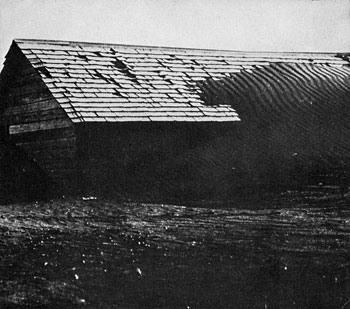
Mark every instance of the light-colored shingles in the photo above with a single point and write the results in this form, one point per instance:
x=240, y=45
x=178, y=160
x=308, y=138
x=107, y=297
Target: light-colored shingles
x=106, y=82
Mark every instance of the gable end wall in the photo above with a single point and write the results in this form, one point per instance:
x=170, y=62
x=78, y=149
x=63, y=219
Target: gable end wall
x=35, y=122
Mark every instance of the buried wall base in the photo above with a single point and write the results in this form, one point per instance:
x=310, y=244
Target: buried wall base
x=154, y=161
x=185, y=162
x=171, y=162
x=21, y=179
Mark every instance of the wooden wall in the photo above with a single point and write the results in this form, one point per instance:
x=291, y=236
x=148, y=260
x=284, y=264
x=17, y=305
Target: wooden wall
x=154, y=160
x=183, y=161
x=35, y=122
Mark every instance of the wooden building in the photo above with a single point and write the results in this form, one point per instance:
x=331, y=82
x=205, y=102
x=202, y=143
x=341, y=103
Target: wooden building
x=173, y=122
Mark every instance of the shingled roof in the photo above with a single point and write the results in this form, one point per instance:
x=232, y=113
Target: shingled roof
x=108, y=82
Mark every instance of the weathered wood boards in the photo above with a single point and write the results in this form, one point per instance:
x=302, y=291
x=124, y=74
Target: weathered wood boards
x=152, y=160
x=131, y=116
x=35, y=121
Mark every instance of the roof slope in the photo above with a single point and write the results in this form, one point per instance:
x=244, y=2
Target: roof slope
x=108, y=82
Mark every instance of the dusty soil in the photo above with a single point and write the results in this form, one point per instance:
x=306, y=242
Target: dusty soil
x=291, y=251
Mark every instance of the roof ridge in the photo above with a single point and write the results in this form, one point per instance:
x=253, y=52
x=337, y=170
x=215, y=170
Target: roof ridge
x=229, y=51
x=113, y=83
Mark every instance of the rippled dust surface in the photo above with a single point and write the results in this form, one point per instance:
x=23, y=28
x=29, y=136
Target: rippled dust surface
x=292, y=251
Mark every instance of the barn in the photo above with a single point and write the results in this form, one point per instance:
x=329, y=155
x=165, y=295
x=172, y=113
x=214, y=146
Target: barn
x=175, y=122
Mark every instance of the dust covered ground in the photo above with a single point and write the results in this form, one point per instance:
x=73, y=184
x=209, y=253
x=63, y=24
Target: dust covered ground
x=290, y=251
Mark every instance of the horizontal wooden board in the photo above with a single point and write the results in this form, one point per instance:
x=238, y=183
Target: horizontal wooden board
x=52, y=134
x=28, y=88
x=56, y=143
x=34, y=106
x=29, y=98
x=24, y=79
x=38, y=116
x=38, y=126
